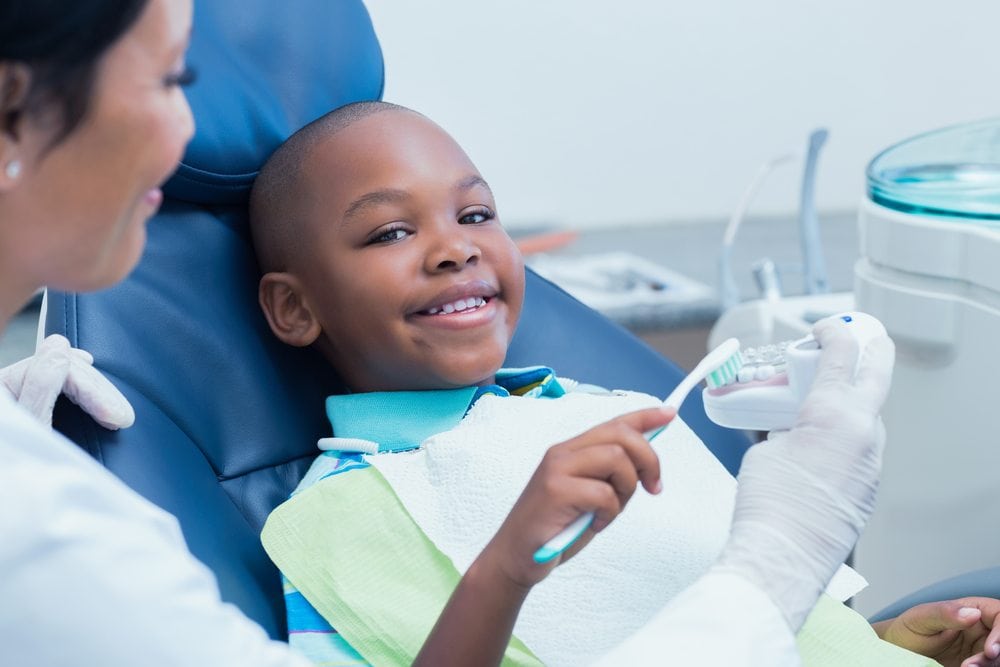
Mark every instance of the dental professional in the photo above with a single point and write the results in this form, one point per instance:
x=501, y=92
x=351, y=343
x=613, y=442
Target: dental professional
x=92, y=120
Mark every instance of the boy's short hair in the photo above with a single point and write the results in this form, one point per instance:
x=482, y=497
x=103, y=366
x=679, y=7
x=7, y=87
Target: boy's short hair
x=278, y=188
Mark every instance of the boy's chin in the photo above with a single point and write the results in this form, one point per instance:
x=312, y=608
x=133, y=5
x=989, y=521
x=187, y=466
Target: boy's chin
x=469, y=372
x=459, y=380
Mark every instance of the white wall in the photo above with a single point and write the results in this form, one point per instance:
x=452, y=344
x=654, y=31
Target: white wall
x=601, y=113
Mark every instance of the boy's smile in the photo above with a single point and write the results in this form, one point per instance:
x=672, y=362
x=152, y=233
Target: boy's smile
x=403, y=264
x=463, y=305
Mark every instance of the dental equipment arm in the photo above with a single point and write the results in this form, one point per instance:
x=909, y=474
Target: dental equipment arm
x=729, y=293
x=814, y=267
x=805, y=494
x=56, y=368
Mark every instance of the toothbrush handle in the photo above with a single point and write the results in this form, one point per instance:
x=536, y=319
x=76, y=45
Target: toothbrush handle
x=566, y=537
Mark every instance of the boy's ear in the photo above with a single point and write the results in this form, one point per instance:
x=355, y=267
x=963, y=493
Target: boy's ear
x=287, y=312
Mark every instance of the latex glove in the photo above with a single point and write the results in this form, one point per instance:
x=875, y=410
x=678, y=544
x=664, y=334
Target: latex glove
x=56, y=368
x=804, y=495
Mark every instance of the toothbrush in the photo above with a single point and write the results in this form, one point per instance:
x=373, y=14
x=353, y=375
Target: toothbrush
x=718, y=368
x=774, y=379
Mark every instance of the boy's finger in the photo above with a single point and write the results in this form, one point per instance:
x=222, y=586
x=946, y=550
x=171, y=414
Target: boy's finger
x=980, y=660
x=645, y=460
x=597, y=496
x=991, y=647
x=629, y=435
x=627, y=431
x=644, y=420
x=611, y=464
x=934, y=617
x=639, y=421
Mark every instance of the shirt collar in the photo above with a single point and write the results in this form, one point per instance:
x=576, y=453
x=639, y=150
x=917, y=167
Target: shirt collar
x=401, y=420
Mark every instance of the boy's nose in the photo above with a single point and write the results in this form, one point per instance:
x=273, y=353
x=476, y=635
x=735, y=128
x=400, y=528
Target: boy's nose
x=452, y=253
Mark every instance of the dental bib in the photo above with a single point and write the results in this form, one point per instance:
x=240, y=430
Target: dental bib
x=461, y=484
x=379, y=550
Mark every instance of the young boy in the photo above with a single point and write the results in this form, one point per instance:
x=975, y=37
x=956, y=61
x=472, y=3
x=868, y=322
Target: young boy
x=380, y=245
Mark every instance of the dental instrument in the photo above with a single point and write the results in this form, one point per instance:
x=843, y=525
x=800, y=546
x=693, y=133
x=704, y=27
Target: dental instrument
x=729, y=294
x=813, y=266
x=765, y=274
x=812, y=247
x=770, y=386
x=718, y=368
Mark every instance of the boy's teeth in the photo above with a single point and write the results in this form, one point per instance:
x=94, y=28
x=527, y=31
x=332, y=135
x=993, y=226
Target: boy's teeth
x=460, y=304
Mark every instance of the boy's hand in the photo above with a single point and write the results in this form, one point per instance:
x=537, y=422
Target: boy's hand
x=962, y=632
x=596, y=471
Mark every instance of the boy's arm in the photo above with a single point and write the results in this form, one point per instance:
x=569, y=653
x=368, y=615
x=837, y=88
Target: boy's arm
x=597, y=471
x=478, y=621
x=963, y=632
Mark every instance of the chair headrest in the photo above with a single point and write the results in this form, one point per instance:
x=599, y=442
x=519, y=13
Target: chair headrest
x=257, y=86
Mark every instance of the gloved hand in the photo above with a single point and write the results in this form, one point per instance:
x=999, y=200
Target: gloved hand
x=57, y=368
x=805, y=494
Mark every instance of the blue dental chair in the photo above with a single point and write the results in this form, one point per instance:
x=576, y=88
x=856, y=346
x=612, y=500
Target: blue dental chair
x=226, y=416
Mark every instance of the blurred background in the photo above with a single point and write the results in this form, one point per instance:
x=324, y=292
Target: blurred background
x=589, y=115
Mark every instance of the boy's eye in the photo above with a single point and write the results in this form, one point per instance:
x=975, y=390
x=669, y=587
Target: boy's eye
x=476, y=216
x=389, y=235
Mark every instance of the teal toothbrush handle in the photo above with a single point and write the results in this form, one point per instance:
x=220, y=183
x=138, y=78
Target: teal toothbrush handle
x=566, y=537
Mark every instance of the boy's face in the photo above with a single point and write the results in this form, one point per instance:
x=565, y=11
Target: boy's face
x=408, y=272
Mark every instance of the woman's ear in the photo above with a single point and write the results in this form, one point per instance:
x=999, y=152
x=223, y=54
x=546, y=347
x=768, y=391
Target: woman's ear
x=15, y=79
x=287, y=312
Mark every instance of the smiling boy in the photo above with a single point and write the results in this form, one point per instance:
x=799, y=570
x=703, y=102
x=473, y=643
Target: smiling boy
x=380, y=245
x=436, y=283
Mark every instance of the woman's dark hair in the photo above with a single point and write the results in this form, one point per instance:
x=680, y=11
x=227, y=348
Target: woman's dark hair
x=61, y=43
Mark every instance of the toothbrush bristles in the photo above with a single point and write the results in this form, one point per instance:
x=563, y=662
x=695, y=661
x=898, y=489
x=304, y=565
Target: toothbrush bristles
x=725, y=373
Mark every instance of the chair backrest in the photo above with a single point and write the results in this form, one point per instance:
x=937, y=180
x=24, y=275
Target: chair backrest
x=226, y=417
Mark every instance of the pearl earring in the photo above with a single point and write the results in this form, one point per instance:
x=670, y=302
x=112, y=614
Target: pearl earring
x=13, y=169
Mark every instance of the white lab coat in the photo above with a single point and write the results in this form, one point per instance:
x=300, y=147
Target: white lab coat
x=93, y=574
x=720, y=619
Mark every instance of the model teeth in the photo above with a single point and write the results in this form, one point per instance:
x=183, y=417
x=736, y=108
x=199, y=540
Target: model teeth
x=460, y=304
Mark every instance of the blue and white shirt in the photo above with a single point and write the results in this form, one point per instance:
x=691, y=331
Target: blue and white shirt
x=383, y=422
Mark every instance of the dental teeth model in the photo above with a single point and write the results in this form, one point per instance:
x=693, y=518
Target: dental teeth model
x=773, y=380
